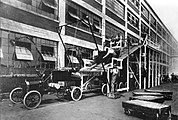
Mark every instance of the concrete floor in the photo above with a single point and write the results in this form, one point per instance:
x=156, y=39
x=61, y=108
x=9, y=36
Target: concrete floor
x=92, y=106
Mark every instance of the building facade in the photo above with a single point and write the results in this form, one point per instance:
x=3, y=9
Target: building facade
x=29, y=39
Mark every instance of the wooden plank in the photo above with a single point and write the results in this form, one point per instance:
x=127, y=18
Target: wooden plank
x=158, y=99
x=167, y=94
x=146, y=94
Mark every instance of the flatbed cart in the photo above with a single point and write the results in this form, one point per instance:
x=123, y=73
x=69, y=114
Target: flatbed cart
x=157, y=99
x=148, y=109
x=167, y=94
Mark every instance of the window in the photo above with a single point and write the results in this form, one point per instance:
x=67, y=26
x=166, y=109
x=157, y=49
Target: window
x=48, y=53
x=135, y=3
x=116, y=7
x=153, y=22
x=159, y=28
x=144, y=11
x=22, y=51
x=144, y=28
x=76, y=12
x=133, y=20
x=153, y=36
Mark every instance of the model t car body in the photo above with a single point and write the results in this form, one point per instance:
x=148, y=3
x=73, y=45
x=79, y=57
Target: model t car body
x=60, y=82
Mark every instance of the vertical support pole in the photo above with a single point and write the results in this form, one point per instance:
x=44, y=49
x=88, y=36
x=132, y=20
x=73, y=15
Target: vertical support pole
x=103, y=23
x=156, y=73
x=152, y=68
x=140, y=63
x=145, y=50
x=149, y=68
x=128, y=75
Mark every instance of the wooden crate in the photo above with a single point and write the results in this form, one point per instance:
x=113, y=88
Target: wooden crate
x=149, y=109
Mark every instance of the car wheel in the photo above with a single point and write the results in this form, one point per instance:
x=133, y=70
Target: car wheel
x=16, y=95
x=104, y=89
x=32, y=99
x=76, y=93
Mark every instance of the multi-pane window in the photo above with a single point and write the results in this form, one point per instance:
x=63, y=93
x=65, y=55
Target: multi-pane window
x=47, y=8
x=164, y=34
x=112, y=31
x=153, y=36
x=144, y=28
x=144, y=11
x=116, y=7
x=76, y=12
x=133, y=20
x=135, y=3
x=159, y=29
x=153, y=21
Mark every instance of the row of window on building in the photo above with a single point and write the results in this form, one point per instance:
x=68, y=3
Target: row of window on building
x=50, y=9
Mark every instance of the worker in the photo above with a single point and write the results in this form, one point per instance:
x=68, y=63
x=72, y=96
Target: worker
x=115, y=73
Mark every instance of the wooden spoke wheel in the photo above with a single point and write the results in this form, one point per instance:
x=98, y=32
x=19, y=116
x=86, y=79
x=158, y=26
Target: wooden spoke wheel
x=76, y=93
x=16, y=95
x=104, y=89
x=32, y=99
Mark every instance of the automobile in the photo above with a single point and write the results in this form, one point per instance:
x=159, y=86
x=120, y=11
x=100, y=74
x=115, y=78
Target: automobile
x=61, y=82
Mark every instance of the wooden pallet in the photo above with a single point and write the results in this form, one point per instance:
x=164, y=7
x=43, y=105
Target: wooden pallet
x=148, y=109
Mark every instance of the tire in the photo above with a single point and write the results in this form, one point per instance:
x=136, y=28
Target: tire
x=16, y=95
x=76, y=94
x=104, y=89
x=32, y=99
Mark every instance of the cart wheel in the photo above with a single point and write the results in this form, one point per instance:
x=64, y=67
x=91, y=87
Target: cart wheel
x=16, y=95
x=32, y=99
x=76, y=93
x=127, y=111
x=104, y=89
x=121, y=85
